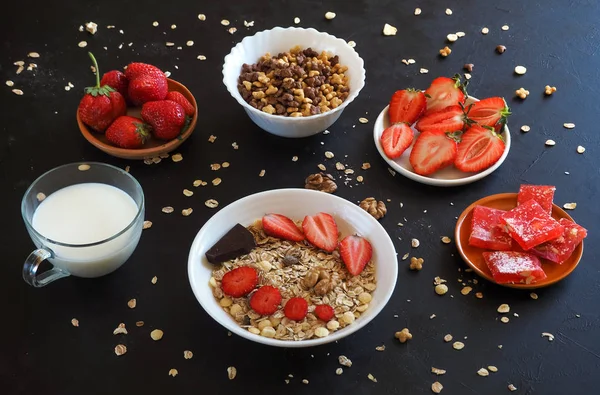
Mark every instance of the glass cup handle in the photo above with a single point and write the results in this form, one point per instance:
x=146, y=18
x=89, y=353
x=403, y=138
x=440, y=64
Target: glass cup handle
x=32, y=263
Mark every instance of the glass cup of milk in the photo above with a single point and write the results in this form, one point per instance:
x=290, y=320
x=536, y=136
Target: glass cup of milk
x=84, y=218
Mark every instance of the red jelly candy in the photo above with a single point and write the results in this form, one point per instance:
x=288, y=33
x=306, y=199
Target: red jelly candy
x=561, y=248
x=488, y=231
x=542, y=194
x=510, y=267
x=530, y=225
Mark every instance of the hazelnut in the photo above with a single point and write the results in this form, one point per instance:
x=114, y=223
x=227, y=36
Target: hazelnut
x=500, y=49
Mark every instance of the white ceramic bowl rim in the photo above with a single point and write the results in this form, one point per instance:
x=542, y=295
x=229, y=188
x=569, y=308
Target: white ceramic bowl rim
x=354, y=89
x=388, y=254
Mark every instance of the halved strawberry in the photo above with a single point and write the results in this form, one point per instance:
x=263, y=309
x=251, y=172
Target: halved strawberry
x=239, y=281
x=448, y=119
x=321, y=231
x=324, y=312
x=265, y=300
x=396, y=139
x=480, y=148
x=407, y=106
x=492, y=111
x=433, y=151
x=356, y=252
x=296, y=308
x=444, y=92
x=280, y=226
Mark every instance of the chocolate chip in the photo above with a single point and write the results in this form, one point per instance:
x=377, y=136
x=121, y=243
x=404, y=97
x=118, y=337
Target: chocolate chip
x=290, y=260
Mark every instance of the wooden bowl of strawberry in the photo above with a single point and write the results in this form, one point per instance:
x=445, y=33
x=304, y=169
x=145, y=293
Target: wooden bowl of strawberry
x=138, y=114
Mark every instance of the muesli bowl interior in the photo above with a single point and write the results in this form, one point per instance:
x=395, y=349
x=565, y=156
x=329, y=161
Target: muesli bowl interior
x=294, y=203
x=277, y=40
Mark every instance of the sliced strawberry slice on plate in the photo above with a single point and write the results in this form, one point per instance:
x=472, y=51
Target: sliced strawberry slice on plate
x=356, y=252
x=480, y=148
x=444, y=92
x=433, y=151
x=280, y=226
x=396, y=139
x=407, y=106
x=321, y=231
x=492, y=111
x=448, y=119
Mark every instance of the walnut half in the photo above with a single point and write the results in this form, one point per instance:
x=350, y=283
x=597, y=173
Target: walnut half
x=320, y=182
x=376, y=208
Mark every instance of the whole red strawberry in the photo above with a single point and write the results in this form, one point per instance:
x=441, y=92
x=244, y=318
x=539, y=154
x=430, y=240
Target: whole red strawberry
x=100, y=105
x=116, y=80
x=166, y=118
x=177, y=97
x=146, y=83
x=127, y=132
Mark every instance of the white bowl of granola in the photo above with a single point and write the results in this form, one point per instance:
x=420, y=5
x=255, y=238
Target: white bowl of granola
x=378, y=278
x=273, y=116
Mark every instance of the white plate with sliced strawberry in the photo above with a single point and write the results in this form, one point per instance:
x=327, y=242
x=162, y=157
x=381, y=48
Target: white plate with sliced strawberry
x=442, y=136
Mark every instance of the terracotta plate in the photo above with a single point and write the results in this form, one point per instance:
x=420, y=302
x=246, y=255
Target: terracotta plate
x=473, y=255
x=152, y=147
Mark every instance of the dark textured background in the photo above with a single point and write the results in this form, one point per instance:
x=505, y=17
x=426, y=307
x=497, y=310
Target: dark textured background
x=41, y=353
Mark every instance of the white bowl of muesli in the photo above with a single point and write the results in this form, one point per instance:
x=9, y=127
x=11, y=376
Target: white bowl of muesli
x=293, y=82
x=306, y=274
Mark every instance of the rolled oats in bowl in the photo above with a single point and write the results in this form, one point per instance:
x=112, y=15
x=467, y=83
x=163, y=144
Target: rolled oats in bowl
x=297, y=83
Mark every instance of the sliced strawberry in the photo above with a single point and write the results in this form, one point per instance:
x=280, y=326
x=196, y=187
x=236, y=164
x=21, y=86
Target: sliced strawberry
x=407, y=106
x=448, y=119
x=239, y=281
x=296, y=309
x=356, y=252
x=492, y=111
x=265, y=300
x=433, y=151
x=444, y=92
x=480, y=148
x=324, y=312
x=396, y=139
x=280, y=226
x=321, y=231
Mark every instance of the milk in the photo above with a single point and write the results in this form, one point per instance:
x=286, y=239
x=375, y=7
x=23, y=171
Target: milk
x=83, y=214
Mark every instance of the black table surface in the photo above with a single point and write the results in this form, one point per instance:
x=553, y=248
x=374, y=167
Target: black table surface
x=42, y=353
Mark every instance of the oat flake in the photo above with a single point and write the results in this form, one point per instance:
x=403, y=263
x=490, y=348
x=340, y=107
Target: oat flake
x=132, y=303
x=550, y=336
x=580, y=149
x=75, y=322
x=82, y=44
x=83, y=167
x=437, y=387
x=363, y=120
x=448, y=11
x=485, y=30
x=231, y=372
x=389, y=30
x=448, y=338
x=168, y=209
x=10, y=83
x=423, y=71
x=147, y=225
x=458, y=345
x=17, y=92
x=483, y=372
x=437, y=371
x=417, y=11
x=211, y=203
x=262, y=173
x=504, y=320
x=40, y=196
x=154, y=280
x=550, y=143
x=202, y=57
x=177, y=158
x=505, y=27
x=569, y=125
x=351, y=44
x=372, y=378
x=492, y=369
x=173, y=372
x=329, y=15
x=187, y=192
x=202, y=17
x=525, y=128
x=187, y=212
x=120, y=349
x=452, y=37
x=512, y=388
x=339, y=371
x=503, y=308
x=569, y=206
x=520, y=70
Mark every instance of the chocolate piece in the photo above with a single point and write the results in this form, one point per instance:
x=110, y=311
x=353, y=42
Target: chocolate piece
x=237, y=242
x=289, y=260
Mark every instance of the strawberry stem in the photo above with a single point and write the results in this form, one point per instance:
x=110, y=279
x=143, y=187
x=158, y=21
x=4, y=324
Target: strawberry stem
x=97, y=69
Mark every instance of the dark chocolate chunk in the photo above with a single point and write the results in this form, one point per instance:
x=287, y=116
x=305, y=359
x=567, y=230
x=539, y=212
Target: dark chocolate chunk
x=237, y=242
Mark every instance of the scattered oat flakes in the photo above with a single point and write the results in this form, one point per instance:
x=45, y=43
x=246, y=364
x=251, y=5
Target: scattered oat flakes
x=132, y=303
x=187, y=192
x=340, y=166
x=580, y=149
x=520, y=70
x=83, y=167
x=231, y=372
x=525, y=128
x=503, y=308
x=202, y=57
x=202, y=17
x=329, y=15
x=380, y=348
x=33, y=55
x=550, y=336
x=168, y=209
x=120, y=330
x=448, y=338
x=296, y=20
x=550, y=143
x=437, y=387
x=75, y=322
x=154, y=280
x=155, y=23
x=9, y=83
x=329, y=154
x=446, y=240
x=389, y=30
x=504, y=320
x=359, y=178
x=344, y=361
x=366, y=166
x=448, y=11
x=569, y=206
x=533, y=295
x=432, y=316
x=483, y=372
x=147, y=225
x=372, y=378
x=485, y=30
x=232, y=30
x=40, y=196
x=17, y=92
x=415, y=243
x=363, y=120
x=187, y=354
x=19, y=63
x=120, y=349
x=173, y=372
x=568, y=125
x=351, y=44
x=20, y=69
x=522, y=93
x=492, y=369
x=405, y=256
x=177, y=158
x=156, y=334
x=505, y=27
x=423, y=71
x=549, y=90
x=466, y=290
x=445, y=51
x=82, y=44
x=452, y=37
x=339, y=371
x=437, y=371
x=512, y=388
x=263, y=171
x=460, y=34
x=479, y=295
x=403, y=336
x=441, y=289
x=458, y=345
x=392, y=172
x=211, y=203
x=170, y=44
x=417, y=11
